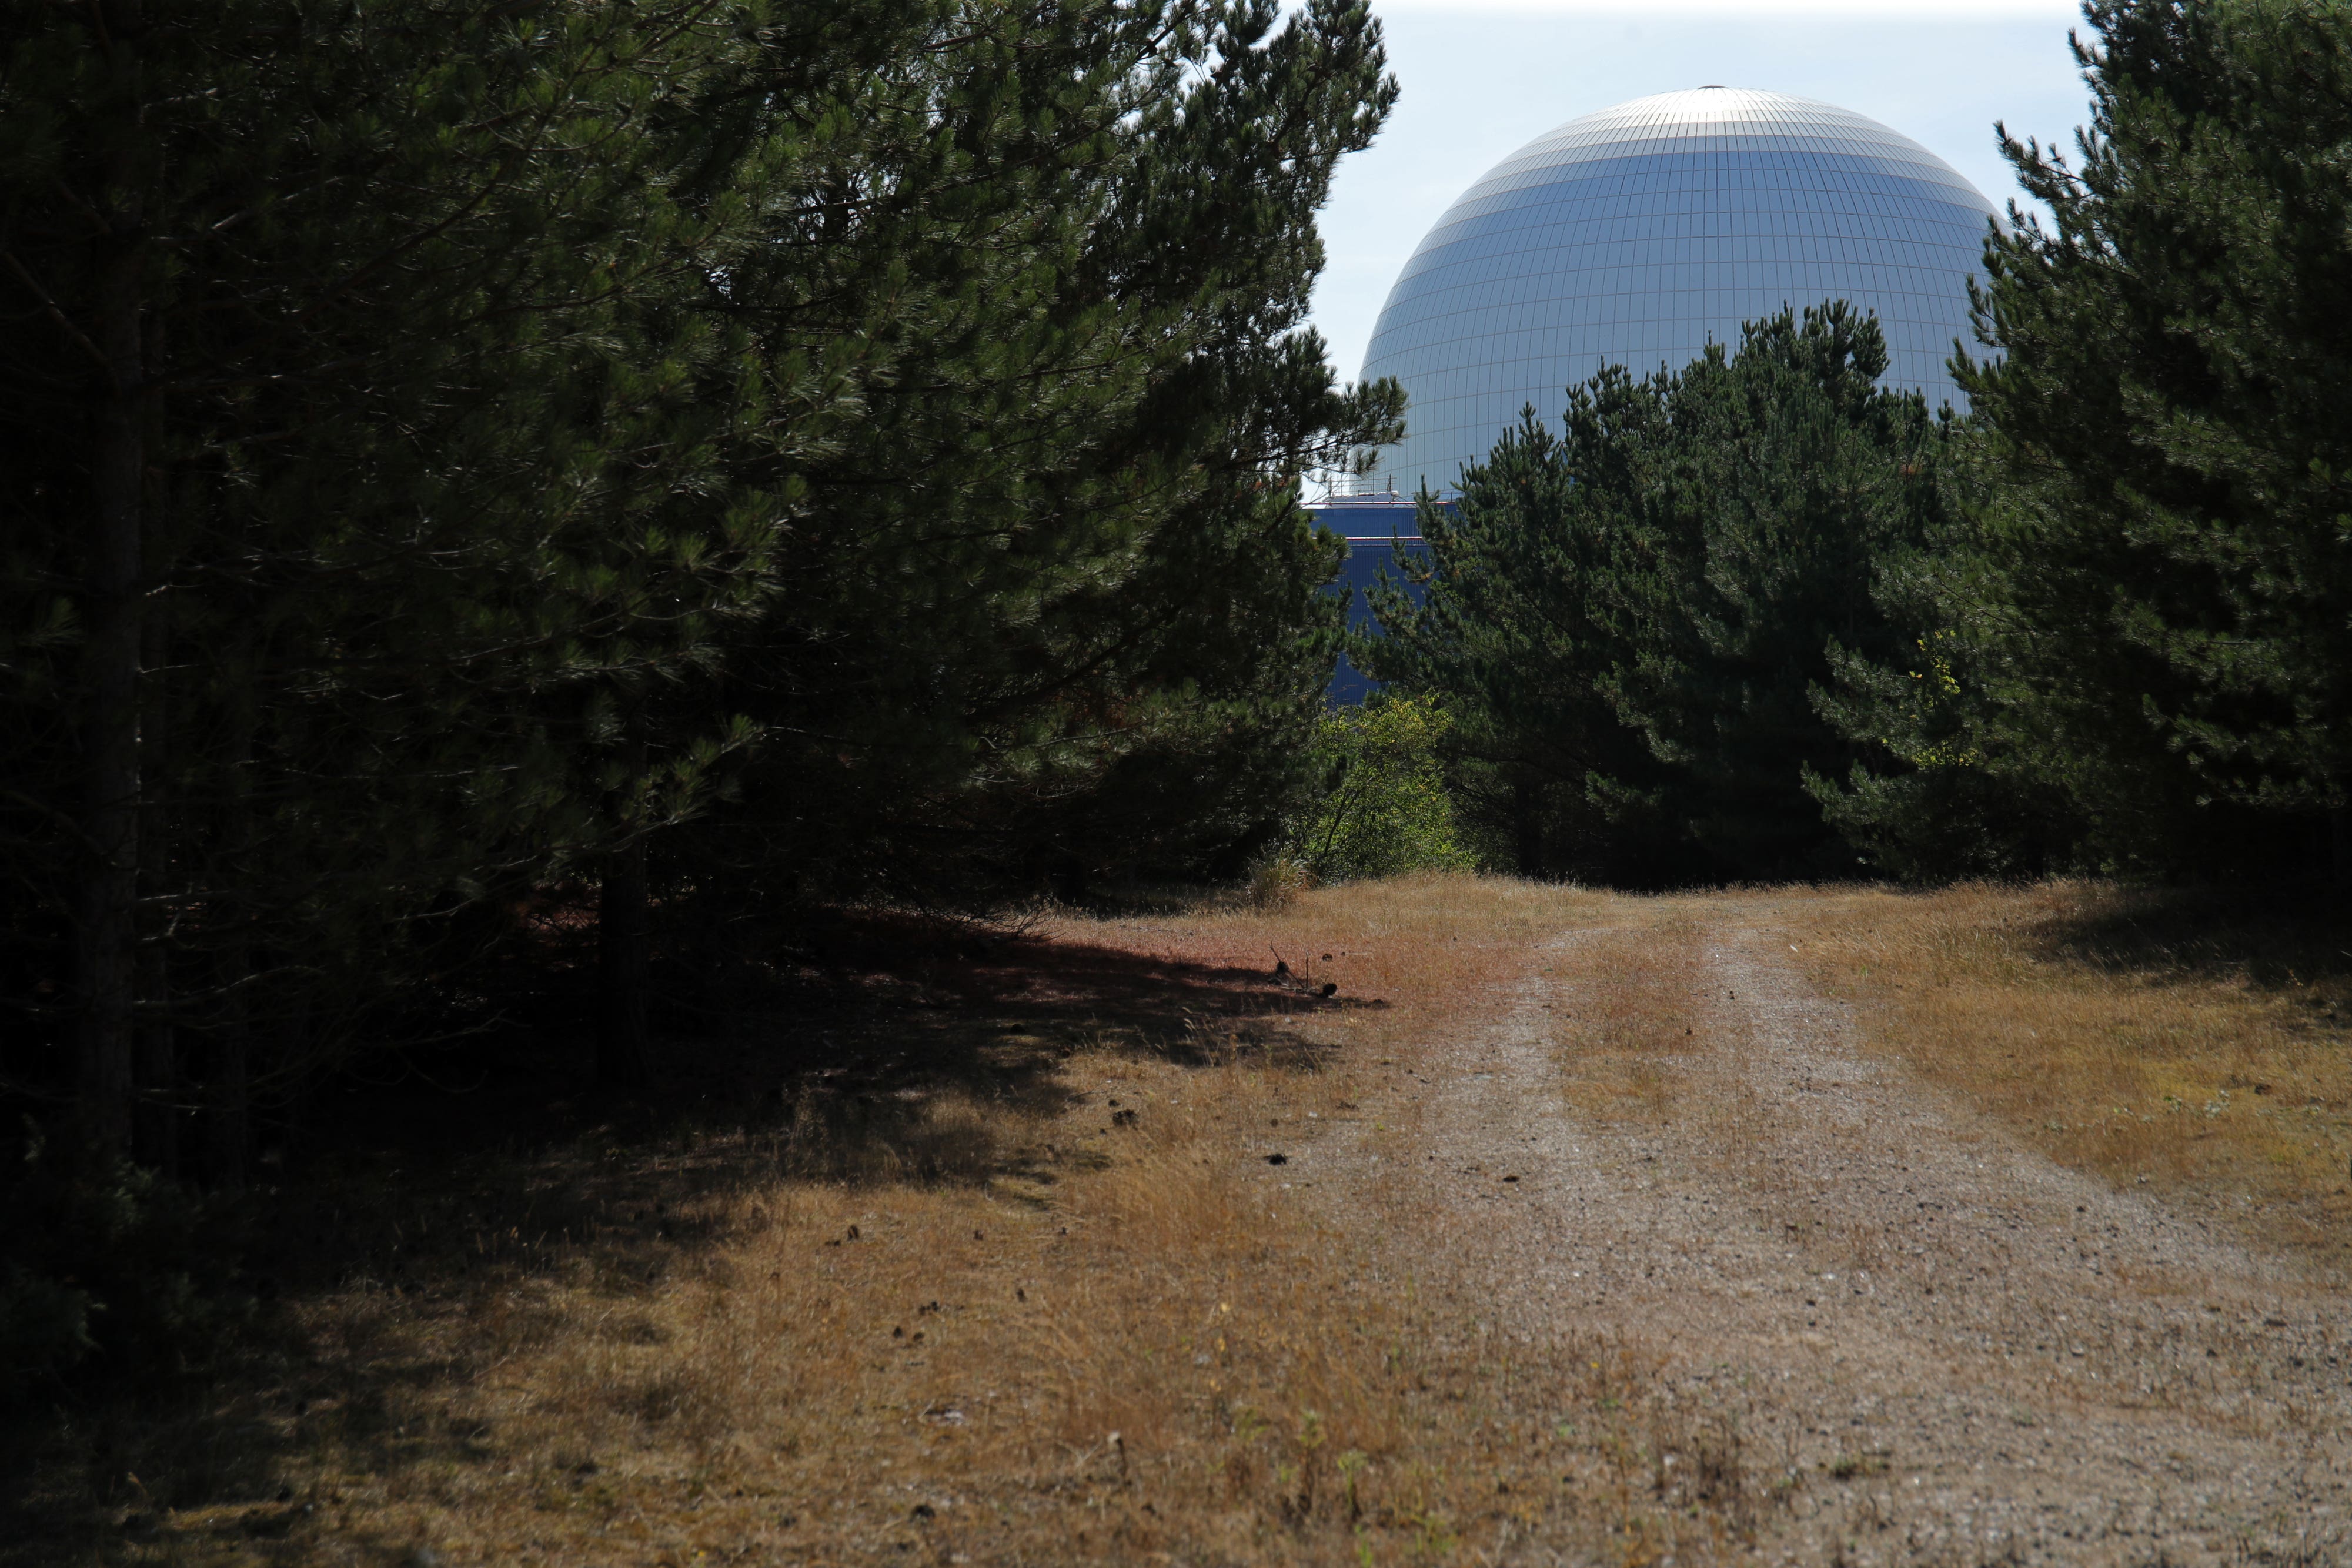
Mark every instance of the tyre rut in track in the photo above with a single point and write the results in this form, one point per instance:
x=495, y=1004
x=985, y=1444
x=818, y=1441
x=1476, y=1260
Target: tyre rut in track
x=1963, y=1352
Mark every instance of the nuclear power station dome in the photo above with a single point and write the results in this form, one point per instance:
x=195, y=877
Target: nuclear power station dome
x=1638, y=235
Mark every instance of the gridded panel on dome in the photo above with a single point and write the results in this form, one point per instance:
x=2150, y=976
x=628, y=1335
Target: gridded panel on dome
x=1639, y=234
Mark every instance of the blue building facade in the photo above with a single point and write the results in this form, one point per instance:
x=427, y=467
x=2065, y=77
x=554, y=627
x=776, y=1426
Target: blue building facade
x=1377, y=528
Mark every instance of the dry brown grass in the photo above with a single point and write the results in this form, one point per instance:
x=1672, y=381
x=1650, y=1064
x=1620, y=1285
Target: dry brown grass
x=1045, y=1301
x=962, y=1326
x=2196, y=1045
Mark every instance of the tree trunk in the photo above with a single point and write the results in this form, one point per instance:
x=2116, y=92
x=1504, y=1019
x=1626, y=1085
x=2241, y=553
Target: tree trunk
x=107, y=927
x=155, y=1134
x=1525, y=830
x=228, y=1102
x=156, y=1070
x=228, y=1094
x=621, y=969
x=2339, y=836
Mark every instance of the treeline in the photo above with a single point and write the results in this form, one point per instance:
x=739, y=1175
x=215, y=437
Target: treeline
x=679, y=461
x=1759, y=619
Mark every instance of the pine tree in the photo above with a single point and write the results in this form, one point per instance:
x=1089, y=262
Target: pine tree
x=520, y=421
x=1522, y=627
x=2154, y=603
x=1050, y=606
x=1642, y=613
x=325, y=569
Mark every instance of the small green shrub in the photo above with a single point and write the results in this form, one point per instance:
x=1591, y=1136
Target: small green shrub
x=1276, y=878
x=1385, y=809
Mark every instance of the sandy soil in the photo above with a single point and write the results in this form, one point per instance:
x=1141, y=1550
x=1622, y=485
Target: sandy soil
x=1914, y=1340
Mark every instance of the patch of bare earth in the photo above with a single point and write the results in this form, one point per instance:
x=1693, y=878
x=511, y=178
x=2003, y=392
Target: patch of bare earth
x=1879, y=1327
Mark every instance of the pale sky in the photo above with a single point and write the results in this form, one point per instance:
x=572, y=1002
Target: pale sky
x=1484, y=77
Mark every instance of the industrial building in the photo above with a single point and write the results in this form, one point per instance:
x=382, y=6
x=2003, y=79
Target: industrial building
x=1639, y=234
x=1378, y=526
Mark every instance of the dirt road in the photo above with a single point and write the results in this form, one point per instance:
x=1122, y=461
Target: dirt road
x=1572, y=1228
x=1911, y=1339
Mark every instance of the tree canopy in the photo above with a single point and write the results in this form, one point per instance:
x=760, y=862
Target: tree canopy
x=1633, y=617
x=2145, y=616
x=467, y=456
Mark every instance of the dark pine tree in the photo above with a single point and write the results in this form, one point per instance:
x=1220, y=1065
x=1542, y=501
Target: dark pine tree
x=2152, y=608
x=352, y=411
x=1049, y=607
x=1637, y=618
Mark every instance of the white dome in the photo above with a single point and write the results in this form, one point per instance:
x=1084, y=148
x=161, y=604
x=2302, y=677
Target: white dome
x=1638, y=235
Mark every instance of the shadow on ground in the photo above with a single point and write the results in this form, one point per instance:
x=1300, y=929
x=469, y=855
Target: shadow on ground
x=430, y=1182
x=2294, y=938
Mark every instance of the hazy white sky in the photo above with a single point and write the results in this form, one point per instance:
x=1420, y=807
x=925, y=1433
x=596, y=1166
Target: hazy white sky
x=1484, y=77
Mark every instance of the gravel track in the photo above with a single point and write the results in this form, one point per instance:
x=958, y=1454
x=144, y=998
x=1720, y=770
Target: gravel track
x=1961, y=1352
